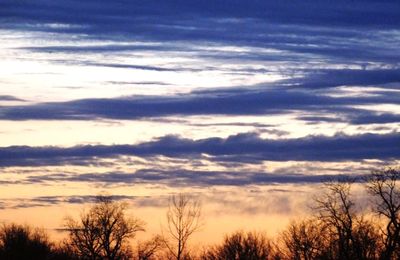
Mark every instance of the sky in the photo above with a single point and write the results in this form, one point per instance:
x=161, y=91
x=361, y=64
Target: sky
x=245, y=104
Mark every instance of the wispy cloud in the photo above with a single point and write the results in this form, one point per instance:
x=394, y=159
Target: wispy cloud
x=190, y=178
x=9, y=98
x=278, y=98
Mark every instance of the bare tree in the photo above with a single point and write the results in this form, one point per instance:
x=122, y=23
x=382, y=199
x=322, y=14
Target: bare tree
x=183, y=219
x=336, y=212
x=148, y=250
x=351, y=234
x=384, y=187
x=103, y=232
x=366, y=239
x=305, y=240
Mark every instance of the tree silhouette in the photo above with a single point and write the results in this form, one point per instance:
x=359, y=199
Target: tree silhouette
x=148, y=250
x=183, y=219
x=22, y=242
x=384, y=187
x=305, y=240
x=241, y=246
x=103, y=232
x=337, y=230
x=336, y=211
x=351, y=235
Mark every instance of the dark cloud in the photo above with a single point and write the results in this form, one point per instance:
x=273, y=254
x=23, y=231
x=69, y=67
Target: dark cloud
x=248, y=147
x=326, y=78
x=185, y=178
x=305, y=37
x=356, y=117
x=305, y=43
x=9, y=98
x=340, y=31
x=375, y=118
x=137, y=16
x=45, y=201
x=256, y=100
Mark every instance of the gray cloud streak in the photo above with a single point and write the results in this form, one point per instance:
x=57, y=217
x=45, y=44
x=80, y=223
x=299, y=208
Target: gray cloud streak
x=248, y=147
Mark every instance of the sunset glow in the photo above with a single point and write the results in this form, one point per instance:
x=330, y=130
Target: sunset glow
x=248, y=105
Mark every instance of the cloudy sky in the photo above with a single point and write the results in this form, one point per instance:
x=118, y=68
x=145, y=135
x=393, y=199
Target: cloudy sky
x=246, y=103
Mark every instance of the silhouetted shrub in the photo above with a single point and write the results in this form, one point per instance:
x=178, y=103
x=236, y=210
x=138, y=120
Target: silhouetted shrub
x=241, y=246
x=22, y=242
x=148, y=250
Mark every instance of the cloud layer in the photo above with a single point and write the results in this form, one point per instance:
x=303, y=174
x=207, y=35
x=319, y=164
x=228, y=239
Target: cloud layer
x=279, y=98
x=247, y=147
x=325, y=66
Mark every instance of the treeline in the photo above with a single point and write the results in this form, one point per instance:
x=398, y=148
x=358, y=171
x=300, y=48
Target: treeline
x=338, y=229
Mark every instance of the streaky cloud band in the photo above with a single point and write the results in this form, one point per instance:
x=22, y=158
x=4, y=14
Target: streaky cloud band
x=244, y=147
x=309, y=94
